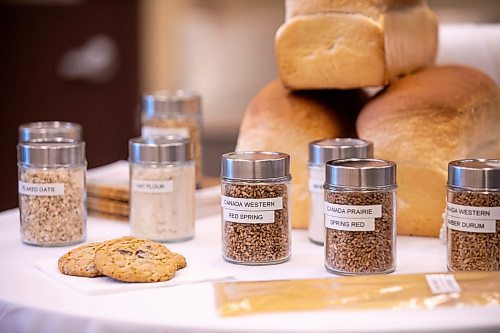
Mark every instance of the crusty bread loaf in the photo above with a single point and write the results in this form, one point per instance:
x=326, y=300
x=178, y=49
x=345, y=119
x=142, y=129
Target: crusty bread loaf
x=280, y=120
x=353, y=44
x=370, y=8
x=422, y=122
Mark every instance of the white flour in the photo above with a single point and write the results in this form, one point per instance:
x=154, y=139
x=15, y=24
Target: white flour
x=162, y=202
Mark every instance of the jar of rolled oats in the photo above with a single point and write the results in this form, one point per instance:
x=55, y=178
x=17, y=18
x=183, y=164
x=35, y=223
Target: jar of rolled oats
x=162, y=188
x=50, y=130
x=360, y=216
x=51, y=175
x=320, y=152
x=256, y=226
x=174, y=112
x=473, y=215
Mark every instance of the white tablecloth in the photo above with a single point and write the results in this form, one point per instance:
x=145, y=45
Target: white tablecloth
x=30, y=300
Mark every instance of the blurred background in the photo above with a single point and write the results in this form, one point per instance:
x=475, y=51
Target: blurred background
x=87, y=61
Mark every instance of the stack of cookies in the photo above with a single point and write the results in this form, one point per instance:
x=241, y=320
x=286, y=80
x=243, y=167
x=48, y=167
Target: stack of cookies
x=127, y=259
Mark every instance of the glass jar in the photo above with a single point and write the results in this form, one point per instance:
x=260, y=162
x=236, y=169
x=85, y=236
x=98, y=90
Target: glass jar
x=360, y=216
x=162, y=188
x=473, y=215
x=50, y=130
x=176, y=112
x=256, y=226
x=52, y=193
x=320, y=152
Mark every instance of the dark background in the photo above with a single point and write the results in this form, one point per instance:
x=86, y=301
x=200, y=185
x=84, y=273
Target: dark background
x=33, y=39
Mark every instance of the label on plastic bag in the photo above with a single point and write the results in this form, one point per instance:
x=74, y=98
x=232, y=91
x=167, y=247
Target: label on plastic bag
x=442, y=283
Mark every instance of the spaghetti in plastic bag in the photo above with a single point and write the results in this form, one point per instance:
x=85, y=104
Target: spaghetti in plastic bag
x=413, y=291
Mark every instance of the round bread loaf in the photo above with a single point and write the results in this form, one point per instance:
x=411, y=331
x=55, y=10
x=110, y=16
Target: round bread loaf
x=422, y=122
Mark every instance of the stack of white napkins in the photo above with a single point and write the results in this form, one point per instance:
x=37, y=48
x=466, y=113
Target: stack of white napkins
x=106, y=285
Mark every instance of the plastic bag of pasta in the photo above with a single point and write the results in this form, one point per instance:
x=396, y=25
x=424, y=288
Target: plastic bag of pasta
x=414, y=291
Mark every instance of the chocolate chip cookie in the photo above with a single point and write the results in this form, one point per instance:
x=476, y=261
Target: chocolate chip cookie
x=80, y=261
x=137, y=260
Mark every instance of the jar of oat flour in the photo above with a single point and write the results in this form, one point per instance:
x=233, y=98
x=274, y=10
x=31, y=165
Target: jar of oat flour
x=162, y=188
x=360, y=216
x=174, y=112
x=320, y=152
x=51, y=174
x=473, y=215
x=256, y=226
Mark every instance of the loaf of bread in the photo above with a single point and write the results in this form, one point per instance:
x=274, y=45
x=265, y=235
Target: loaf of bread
x=347, y=44
x=285, y=121
x=422, y=122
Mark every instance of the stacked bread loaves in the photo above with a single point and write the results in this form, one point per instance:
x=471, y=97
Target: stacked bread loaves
x=421, y=121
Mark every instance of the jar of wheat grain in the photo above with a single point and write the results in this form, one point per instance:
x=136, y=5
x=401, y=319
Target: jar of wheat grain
x=360, y=216
x=256, y=226
x=473, y=215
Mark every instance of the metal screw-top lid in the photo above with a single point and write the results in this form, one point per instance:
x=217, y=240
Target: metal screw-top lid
x=322, y=151
x=50, y=130
x=160, y=149
x=255, y=165
x=363, y=173
x=51, y=153
x=167, y=102
x=483, y=174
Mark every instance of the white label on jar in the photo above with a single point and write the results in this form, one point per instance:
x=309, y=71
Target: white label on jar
x=353, y=212
x=472, y=219
x=250, y=210
x=316, y=179
x=152, y=186
x=339, y=223
x=152, y=131
x=315, y=186
x=252, y=204
x=442, y=283
x=473, y=213
x=469, y=225
x=41, y=189
x=241, y=216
